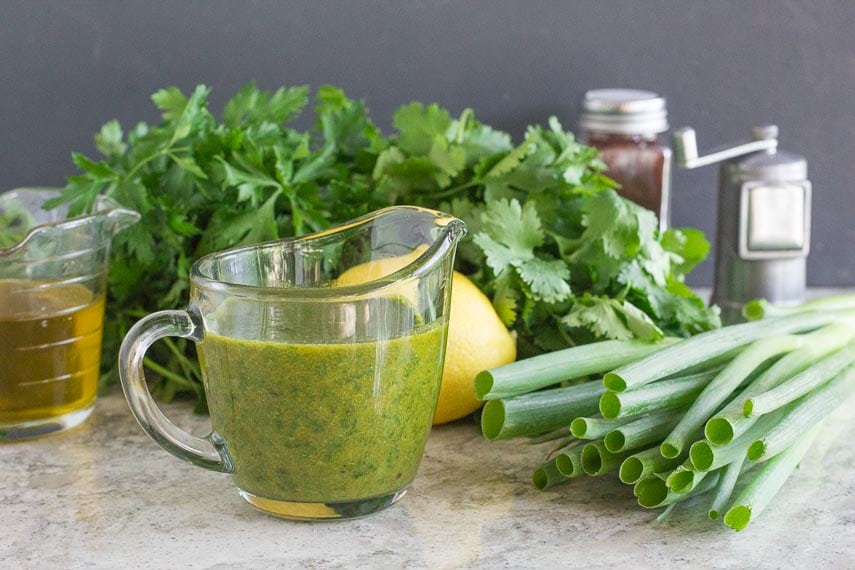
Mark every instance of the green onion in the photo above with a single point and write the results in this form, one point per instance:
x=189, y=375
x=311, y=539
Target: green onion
x=760, y=308
x=643, y=431
x=666, y=513
x=722, y=386
x=569, y=461
x=769, y=480
x=644, y=464
x=557, y=434
x=806, y=412
x=654, y=492
x=799, y=385
x=548, y=476
x=539, y=412
x=684, y=478
x=551, y=368
x=706, y=346
x=597, y=460
x=664, y=395
x=595, y=428
x=725, y=486
x=706, y=457
x=730, y=422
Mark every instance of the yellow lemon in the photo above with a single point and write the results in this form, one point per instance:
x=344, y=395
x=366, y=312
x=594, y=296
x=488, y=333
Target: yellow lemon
x=477, y=340
x=377, y=268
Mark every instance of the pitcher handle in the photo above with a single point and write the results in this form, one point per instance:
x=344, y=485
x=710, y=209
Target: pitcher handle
x=208, y=452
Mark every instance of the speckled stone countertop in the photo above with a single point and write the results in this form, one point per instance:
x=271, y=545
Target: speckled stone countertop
x=104, y=495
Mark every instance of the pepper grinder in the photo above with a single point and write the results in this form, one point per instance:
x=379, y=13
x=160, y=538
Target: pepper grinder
x=763, y=230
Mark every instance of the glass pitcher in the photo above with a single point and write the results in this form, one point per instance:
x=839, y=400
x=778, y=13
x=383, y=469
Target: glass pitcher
x=53, y=276
x=321, y=357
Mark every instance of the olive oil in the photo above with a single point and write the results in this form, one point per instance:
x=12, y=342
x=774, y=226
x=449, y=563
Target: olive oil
x=50, y=349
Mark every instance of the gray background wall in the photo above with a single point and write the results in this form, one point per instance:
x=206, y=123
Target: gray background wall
x=68, y=66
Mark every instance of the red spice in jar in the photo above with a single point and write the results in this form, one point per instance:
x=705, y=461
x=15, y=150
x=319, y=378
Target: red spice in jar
x=624, y=125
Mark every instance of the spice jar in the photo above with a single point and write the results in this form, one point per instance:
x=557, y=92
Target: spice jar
x=624, y=125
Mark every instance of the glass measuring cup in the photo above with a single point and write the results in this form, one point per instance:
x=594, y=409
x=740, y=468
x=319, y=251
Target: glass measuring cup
x=321, y=359
x=53, y=276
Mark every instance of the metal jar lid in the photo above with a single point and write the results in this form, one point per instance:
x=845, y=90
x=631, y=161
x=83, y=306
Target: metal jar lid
x=623, y=111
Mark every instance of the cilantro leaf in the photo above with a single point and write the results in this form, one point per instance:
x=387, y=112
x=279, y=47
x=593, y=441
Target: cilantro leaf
x=515, y=227
x=505, y=299
x=688, y=247
x=510, y=160
x=497, y=255
x=419, y=126
x=610, y=318
x=546, y=278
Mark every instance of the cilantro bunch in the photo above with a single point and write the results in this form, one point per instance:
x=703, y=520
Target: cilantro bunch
x=563, y=257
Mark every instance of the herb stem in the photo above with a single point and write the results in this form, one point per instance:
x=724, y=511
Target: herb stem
x=169, y=374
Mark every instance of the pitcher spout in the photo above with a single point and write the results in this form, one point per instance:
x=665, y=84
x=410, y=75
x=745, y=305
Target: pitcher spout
x=121, y=218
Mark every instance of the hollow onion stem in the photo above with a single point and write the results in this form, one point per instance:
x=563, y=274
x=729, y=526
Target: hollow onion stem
x=799, y=385
x=723, y=385
x=569, y=461
x=664, y=395
x=556, y=434
x=807, y=411
x=539, y=412
x=597, y=460
x=761, y=308
x=706, y=346
x=730, y=422
x=551, y=368
x=644, y=464
x=654, y=492
x=548, y=476
x=724, y=487
x=643, y=431
x=706, y=457
x=769, y=480
x=595, y=428
x=684, y=478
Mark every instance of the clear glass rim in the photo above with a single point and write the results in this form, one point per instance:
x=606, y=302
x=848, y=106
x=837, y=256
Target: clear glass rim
x=452, y=230
x=104, y=207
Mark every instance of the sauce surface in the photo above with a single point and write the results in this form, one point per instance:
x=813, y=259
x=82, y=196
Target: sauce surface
x=323, y=422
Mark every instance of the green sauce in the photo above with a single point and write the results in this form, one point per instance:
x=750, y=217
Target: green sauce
x=323, y=422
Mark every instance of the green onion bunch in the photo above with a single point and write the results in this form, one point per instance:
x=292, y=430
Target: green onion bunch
x=728, y=413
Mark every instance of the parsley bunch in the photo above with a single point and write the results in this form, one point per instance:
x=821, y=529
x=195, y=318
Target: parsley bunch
x=564, y=258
